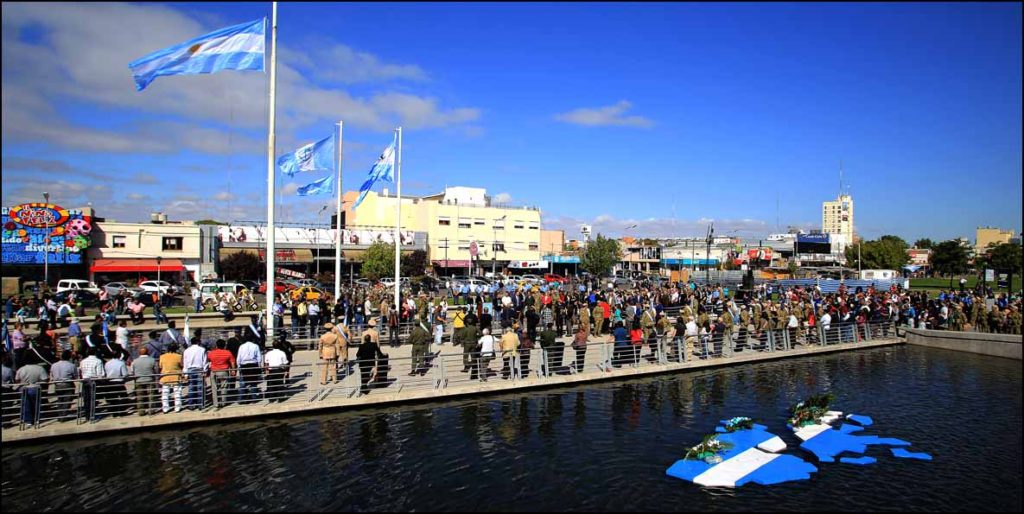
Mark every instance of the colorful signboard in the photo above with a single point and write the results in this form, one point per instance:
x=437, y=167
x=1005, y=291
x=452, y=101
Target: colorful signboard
x=312, y=236
x=32, y=229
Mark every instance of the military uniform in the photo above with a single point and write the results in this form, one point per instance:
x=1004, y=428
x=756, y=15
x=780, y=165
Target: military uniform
x=598, y=319
x=584, y=315
x=420, y=340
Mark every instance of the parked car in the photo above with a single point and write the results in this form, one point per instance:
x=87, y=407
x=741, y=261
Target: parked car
x=163, y=286
x=87, y=297
x=209, y=290
x=620, y=282
x=252, y=285
x=74, y=284
x=307, y=292
x=279, y=287
x=390, y=281
x=363, y=282
x=307, y=282
x=554, y=277
x=116, y=288
x=532, y=279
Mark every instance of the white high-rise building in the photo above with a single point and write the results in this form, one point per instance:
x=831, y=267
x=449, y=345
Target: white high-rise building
x=837, y=216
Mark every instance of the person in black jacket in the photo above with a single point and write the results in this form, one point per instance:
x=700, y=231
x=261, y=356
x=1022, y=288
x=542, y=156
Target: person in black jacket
x=368, y=356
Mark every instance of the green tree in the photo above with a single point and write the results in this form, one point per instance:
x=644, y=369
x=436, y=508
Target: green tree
x=414, y=264
x=924, y=244
x=949, y=258
x=601, y=254
x=241, y=266
x=1006, y=258
x=887, y=252
x=210, y=222
x=378, y=261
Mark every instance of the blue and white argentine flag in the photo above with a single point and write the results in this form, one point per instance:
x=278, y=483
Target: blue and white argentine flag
x=324, y=186
x=383, y=169
x=239, y=47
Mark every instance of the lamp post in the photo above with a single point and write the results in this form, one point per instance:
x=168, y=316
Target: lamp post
x=159, y=299
x=494, y=245
x=322, y=209
x=46, y=241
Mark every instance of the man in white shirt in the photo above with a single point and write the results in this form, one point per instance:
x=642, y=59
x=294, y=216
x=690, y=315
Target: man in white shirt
x=197, y=296
x=92, y=370
x=486, y=353
x=121, y=334
x=114, y=390
x=249, y=361
x=276, y=367
x=826, y=323
x=195, y=364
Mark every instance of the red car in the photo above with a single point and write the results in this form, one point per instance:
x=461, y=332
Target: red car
x=551, y=277
x=278, y=288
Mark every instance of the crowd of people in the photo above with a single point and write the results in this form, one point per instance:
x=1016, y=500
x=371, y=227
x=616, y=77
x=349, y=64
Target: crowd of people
x=506, y=322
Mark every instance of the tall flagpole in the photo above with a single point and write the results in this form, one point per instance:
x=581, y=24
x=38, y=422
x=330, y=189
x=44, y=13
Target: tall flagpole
x=398, y=221
x=270, y=177
x=337, y=224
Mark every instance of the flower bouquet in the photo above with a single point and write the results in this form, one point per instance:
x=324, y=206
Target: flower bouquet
x=739, y=423
x=809, y=411
x=708, y=448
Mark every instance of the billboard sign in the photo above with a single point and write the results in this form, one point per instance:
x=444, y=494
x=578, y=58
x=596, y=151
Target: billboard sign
x=312, y=236
x=31, y=230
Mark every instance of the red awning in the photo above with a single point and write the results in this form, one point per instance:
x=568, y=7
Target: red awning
x=130, y=265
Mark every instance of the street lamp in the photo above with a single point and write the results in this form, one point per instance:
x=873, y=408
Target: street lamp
x=158, y=298
x=46, y=240
x=630, y=265
x=494, y=245
x=322, y=209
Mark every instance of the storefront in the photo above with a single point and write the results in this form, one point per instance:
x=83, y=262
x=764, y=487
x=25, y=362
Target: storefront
x=135, y=271
x=44, y=239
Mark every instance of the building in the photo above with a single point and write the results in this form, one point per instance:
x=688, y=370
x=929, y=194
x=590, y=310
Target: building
x=130, y=251
x=552, y=242
x=25, y=252
x=456, y=221
x=985, y=236
x=837, y=216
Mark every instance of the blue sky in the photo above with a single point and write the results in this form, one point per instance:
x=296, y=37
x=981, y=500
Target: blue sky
x=662, y=115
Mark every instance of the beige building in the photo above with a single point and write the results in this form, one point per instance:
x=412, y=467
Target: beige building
x=985, y=236
x=129, y=251
x=552, y=242
x=453, y=221
x=837, y=216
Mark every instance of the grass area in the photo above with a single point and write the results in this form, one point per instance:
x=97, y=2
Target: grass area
x=934, y=285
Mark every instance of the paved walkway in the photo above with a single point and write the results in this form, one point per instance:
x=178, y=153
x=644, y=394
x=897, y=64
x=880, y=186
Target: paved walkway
x=443, y=379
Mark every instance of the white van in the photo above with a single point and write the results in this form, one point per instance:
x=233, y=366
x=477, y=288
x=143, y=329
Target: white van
x=75, y=284
x=209, y=290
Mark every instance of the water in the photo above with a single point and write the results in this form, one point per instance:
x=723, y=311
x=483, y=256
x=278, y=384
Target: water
x=595, y=447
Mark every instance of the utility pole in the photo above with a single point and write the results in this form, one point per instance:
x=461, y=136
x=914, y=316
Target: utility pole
x=707, y=256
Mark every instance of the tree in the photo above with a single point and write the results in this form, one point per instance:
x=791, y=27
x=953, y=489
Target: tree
x=888, y=252
x=379, y=261
x=924, y=244
x=601, y=254
x=414, y=264
x=1006, y=258
x=241, y=265
x=949, y=258
x=210, y=222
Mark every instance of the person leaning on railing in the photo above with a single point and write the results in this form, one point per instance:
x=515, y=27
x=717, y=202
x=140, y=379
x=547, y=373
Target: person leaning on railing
x=145, y=369
x=222, y=367
x=170, y=381
x=368, y=357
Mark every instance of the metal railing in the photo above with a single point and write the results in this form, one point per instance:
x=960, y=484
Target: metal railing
x=91, y=400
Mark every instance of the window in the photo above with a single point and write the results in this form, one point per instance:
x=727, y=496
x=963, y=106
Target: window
x=465, y=223
x=173, y=243
x=499, y=224
x=463, y=245
x=534, y=246
x=534, y=226
x=444, y=220
x=478, y=221
x=517, y=224
x=119, y=241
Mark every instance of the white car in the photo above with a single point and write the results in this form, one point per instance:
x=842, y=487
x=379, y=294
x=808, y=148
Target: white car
x=74, y=284
x=390, y=281
x=116, y=288
x=161, y=286
x=533, y=279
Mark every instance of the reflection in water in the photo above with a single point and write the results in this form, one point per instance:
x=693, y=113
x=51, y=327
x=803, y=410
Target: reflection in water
x=527, y=452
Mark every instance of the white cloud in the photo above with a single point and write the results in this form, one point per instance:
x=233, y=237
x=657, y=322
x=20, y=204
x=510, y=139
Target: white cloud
x=289, y=189
x=611, y=115
x=502, y=198
x=224, y=196
x=82, y=55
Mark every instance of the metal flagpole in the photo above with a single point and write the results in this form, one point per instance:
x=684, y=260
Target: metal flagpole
x=270, y=175
x=398, y=220
x=337, y=224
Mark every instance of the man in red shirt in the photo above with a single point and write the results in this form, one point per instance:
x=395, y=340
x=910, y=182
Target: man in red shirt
x=222, y=365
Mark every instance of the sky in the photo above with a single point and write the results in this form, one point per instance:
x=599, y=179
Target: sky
x=663, y=116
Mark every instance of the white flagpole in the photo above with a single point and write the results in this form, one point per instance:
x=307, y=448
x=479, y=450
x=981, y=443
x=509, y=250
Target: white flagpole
x=337, y=223
x=270, y=177
x=398, y=220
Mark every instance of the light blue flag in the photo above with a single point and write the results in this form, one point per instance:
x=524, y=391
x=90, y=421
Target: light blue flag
x=239, y=47
x=383, y=169
x=324, y=186
x=312, y=157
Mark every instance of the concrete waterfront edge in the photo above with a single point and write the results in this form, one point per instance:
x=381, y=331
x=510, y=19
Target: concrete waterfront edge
x=996, y=345
x=417, y=396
